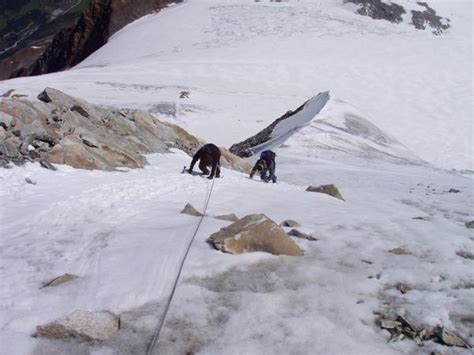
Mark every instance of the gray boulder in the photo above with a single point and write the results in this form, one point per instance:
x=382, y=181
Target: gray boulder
x=289, y=223
x=254, y=233
x=81, y=324
x=297, y=234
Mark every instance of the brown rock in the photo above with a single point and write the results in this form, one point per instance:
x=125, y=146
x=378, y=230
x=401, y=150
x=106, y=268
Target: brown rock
x=190, y=210
x=403, y=250
x=254, y=233
x=326, y=189
x=228, y=217
x=81, y=324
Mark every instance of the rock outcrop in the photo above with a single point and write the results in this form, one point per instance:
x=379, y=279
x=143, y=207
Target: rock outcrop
x=390, y=11
x=330, y=190
x=81, y=324
x=70, y=45
x=254, y=233
x=61, y=129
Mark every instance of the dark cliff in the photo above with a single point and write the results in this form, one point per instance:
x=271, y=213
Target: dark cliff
x=72, y=45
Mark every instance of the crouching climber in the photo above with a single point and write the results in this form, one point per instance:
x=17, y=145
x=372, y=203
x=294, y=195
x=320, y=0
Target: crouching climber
x=208, y=155
x=265, y=166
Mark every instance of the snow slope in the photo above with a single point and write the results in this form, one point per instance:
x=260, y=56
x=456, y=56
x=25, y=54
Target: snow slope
x=245, y=63
x=122, y=233
x=396, y=94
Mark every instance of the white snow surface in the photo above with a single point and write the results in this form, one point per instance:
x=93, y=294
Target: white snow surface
x=123, y=235
x=245, y=63
x=399, y=98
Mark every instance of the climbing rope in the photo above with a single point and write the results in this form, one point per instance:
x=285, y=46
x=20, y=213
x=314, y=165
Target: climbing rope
x=157, y=332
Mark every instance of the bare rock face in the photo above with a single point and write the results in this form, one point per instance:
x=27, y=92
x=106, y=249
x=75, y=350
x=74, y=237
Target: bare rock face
x=71, y=45
x=81, y=324
x=326, y=189
x=61, y=129
x=190, y=210
x=254, y=233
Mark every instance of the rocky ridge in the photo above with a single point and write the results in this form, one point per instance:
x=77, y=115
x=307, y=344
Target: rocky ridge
x=61, y=129
x=70, y=45
x=393, y=12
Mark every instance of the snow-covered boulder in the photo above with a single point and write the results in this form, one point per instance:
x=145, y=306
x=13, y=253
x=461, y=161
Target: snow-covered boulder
x=253, y=233
x=81, y=324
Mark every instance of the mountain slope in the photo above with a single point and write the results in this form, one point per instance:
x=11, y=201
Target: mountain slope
x=412, y=84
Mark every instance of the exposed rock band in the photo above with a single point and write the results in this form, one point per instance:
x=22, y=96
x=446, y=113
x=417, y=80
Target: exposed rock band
x=209, y=157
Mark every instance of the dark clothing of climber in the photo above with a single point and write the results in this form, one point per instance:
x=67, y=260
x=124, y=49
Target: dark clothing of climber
x=266, y=166
x=208, y=155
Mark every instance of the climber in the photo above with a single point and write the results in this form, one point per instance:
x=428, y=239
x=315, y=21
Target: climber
x=265, y=165
x=208, y=155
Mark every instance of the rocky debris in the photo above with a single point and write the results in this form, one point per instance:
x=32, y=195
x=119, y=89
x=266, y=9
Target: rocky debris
x=60, y=280
x=326, y=189
x=450, y=337
x=400, y=329
x=428, y=18
x=289, y=223
x=70, y=45
x=190, y=210
x=465, y=254
x=403, y=288
x=297, y=234
x=184, y=94
x=422, y=218
x=81, y=324
x=380, y=10
x=47, y=165
x=392, y=12
x=228, y=217
x=403, y=250
x=64, y=130
x=254, y=233
x=469, y=225
x=453, y=191
x=29, y=181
